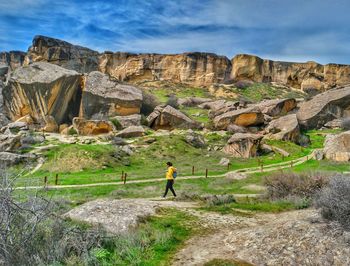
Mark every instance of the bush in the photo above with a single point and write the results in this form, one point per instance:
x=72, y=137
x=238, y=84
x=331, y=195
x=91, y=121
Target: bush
x=215, y=200
x=72, y=131
x=116, y=123
x=242, y=84
x=149, y=102
x=173, y=101
x=287, y=184
x=334, y=201
x=345, y=124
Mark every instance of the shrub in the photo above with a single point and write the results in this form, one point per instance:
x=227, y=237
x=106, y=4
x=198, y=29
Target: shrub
x=215, y=200
x=149, y=102
x=72, y=131
x=144, y=121
x=285, y=184
x=173, y=101
x=334, y=201
x=345, y=124
x=116, y=123
x=242, y=84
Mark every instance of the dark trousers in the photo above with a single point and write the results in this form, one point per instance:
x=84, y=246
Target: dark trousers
x=169, y=185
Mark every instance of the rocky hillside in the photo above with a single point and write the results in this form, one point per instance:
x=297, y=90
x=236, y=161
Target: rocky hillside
x=197, y=69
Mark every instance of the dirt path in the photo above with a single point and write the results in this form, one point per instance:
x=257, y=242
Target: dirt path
x=251, y=170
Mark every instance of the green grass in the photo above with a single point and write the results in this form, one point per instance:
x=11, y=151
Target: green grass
x=317, y=137
x=198, y=114
x=153, y=243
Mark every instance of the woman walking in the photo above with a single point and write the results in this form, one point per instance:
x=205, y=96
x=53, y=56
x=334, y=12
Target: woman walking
x=170, y=175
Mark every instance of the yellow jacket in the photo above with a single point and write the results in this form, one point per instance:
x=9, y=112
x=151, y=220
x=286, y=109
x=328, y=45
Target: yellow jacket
x=169, y=173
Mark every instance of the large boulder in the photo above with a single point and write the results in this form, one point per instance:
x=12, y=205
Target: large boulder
x=324, y=107
x=92, y=127
x=9, y=159
x=13, y=59
x=9, y=142
x=62, y=53
x=128, y=120
x=169, y=118
x=103, y=97
x=131, y=132
x=337, y=147
x=195, y=140
x=277, y=107
x=244, y=117
x=243, y=145
x=284, y=128
x=41, y=90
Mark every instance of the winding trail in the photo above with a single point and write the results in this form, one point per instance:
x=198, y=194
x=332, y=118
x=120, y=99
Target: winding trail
x=251, y=170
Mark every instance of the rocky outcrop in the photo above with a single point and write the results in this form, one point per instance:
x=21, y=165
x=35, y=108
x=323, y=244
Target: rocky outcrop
x=128, y=120
x=3, y=119
x=91, y=127
x=243, y=145
x=284, y=128
x=305, y=76
x=9, y=159
x=103, y=97
x=337, y=147
x=13, y=59
x=131, y=132
x=198, y=69
x=62, y=53
x=4, y=68
x=9, y=142
x=243, y=117
x=324, y=107
x=277, y=107
x=169, y=118
x=41, y=90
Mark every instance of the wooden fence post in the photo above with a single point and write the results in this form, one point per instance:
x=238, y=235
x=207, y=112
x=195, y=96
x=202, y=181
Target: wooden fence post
x=125, y=175
x=262, y=167
x=45, y=181
x=228, y=166
x=56, y=180
x=193, y=170
x=206, y=172
x=291, y=163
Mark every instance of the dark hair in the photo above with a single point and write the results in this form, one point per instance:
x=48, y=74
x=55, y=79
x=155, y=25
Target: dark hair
x=169, y=163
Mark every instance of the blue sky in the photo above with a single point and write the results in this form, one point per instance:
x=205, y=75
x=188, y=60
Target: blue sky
x=290, y=30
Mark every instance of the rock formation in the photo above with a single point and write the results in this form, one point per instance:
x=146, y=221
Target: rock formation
x=131, y=132
x=243, y=145
x=277, y=107
x=309, y=75
x=103, y=97
x=198, y=69
x=169, y=118
x=243, y=117
x=284, y=128
x=91, y=127
x=324, y=107
x=337, y=147
x=42, y=89
x=62, y=53
x=128, y=120
x=13, y=59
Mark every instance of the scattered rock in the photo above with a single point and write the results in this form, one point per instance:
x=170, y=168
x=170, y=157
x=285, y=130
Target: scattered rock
x=195, y=140
x=243, y=117
x=192, y=101
x=318, y=155
x=323, y=108
x=224, y=162
x=336, y=123
x=92, y=127
x=128, y=121
x=337, y=147
x=284, y=128
x=32, y=139
x=150, y=140
x=14, y=127
x=103, y=97
x=62, y=127
x=243, y=145
x=131, y=132
x=170, y=118
x=9, y=159
x=50, y=124
x=118, y=141
x=277, y=107
x=10, y=142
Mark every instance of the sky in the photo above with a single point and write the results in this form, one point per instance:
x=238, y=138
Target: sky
x=286, y=30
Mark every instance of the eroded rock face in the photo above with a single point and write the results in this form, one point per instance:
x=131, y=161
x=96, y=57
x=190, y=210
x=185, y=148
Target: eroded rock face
x=131, y=132
x=103, y=97
x=309, y=75
x=41, y=90
x=199, y=69
x=13, y=59
x=284, y=128
x=243, y=145
x=337, y=147
x=169, y=118
x=62, y=53
x=128, y=120
x=277, y=107
x=324, y=107
x=243, y=117
x=92, y=127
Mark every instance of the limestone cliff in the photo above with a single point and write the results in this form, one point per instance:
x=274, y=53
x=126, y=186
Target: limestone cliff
x=306, y=76
x=198, y=69
x=13, y=59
